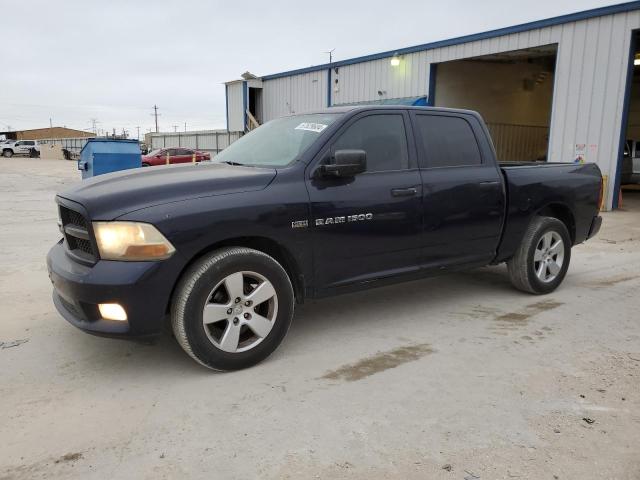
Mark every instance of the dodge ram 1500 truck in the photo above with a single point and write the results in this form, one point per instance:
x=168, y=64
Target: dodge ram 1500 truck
x=308, y=206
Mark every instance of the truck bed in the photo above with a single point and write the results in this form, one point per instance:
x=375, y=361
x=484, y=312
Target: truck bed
x=569, y=189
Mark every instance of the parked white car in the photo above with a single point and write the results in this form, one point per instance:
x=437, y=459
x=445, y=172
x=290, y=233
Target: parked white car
x=20, y=147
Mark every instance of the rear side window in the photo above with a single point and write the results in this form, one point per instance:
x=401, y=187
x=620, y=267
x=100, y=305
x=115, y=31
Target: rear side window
x=447, y=141
x=384, y=139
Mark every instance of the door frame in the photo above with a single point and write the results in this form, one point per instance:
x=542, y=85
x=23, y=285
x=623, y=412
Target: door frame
x=633, y=44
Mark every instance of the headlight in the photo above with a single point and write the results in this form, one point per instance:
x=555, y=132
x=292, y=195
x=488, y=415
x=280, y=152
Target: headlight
x=131, y=241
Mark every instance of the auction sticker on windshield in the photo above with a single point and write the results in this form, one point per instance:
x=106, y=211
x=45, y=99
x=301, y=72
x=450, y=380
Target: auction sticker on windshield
x=312, y=127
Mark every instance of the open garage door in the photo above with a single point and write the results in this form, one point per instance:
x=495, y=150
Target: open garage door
x=629, y=166
x=513, y=91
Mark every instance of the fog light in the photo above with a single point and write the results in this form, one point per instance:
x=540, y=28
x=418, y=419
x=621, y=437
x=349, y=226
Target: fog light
x=112, y=311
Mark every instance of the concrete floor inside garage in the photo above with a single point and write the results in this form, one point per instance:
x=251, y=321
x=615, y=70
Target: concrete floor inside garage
x=456, y=377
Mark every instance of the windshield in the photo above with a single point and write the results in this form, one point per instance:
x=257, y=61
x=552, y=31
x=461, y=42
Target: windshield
x=277, y=143
x=153, y=153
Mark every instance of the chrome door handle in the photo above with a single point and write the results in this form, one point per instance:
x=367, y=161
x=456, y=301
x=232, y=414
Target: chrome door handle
x=404, y=192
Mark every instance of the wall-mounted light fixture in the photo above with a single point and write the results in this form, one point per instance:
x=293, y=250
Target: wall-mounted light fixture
x=395, y=60
x=636, y=59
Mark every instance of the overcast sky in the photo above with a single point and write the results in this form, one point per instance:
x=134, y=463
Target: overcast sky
x=73, y=61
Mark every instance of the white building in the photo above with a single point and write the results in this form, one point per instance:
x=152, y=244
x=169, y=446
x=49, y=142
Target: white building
x=559, y=89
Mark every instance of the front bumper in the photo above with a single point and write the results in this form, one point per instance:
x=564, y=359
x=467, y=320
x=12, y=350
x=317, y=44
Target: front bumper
x=142, y=288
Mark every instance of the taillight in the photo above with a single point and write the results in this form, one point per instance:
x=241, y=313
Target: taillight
x=600, y=193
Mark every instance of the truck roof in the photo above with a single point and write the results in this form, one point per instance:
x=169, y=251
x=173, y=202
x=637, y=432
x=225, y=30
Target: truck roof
x=351, y=108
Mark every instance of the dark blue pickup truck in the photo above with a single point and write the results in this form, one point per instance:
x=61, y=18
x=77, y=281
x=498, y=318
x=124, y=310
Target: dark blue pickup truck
x=308, y=206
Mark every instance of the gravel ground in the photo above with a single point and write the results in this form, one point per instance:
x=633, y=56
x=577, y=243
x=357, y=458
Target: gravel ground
x=459, y=377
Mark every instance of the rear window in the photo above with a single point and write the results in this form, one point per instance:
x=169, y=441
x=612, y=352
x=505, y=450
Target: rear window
x=447, y=141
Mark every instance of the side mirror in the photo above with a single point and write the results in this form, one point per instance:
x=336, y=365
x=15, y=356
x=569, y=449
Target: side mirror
x=345, y=163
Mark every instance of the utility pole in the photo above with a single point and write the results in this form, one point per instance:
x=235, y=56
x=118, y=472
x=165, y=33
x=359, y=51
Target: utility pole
x=330, y=52
x=50, y=123
x=94, y=125
x=175, y=128
x=138, y=128
x=185, y=126
x=155, y=114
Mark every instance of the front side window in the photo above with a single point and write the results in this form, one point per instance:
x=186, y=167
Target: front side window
x=384, y=139
x=447, y=141
x=277, y=143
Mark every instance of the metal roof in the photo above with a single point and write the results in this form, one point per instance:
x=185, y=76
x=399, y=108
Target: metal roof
x=572, y=17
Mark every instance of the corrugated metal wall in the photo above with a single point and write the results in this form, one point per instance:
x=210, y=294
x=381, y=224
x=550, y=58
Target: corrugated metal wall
x=212, y=141
x=362, y=81
x=295, y=94
x=235, y=106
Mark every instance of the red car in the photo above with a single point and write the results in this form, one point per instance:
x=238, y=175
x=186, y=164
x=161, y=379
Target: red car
x=164, y=156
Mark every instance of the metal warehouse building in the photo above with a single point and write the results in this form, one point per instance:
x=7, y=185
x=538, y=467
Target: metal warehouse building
x=562, y=89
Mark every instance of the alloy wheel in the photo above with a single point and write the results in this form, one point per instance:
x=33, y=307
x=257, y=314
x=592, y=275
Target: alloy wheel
x=548, y=257
x=240, y=312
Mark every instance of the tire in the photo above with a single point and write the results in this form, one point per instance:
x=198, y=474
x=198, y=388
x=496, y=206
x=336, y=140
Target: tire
x=540, y=263
x=209, y=290
x=145, y=164
x=7, y=153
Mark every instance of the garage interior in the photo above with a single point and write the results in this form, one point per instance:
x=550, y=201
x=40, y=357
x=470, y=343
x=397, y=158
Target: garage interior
x=512, y=90
x=630, y=167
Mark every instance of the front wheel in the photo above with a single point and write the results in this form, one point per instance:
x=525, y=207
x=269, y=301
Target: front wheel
x=541, y=262
x=232, y=308
x=7, y=153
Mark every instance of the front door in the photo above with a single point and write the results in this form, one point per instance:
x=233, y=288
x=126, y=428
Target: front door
x=368, y=226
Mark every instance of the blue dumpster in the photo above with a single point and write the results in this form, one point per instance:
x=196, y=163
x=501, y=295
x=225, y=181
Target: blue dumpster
x=105, y=155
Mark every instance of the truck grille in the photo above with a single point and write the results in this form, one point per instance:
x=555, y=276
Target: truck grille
x=76, y=234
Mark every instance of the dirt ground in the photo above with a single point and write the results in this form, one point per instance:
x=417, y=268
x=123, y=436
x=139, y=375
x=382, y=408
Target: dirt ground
x=458, y=377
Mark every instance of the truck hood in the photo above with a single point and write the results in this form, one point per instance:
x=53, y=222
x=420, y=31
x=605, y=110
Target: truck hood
x=109, y=196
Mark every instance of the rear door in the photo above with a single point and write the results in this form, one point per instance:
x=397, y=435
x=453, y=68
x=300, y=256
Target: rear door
x=463, y=192
x=368, y=226
x=173, y=155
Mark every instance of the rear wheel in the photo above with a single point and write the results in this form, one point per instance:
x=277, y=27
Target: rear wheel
x=232, y=308
x=145, y=164
x=541, y=262
x=7, y=153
